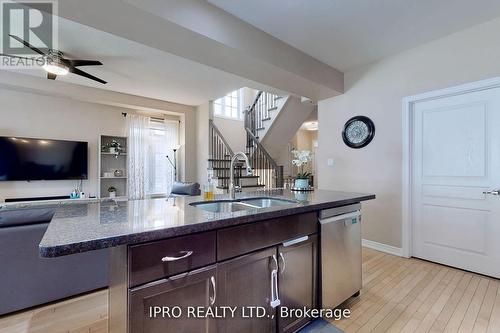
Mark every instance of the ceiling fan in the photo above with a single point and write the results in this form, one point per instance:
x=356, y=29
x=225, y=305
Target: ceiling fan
x=55, y=64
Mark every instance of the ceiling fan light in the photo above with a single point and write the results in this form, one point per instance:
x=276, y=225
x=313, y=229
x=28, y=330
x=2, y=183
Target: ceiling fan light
x=56, y=69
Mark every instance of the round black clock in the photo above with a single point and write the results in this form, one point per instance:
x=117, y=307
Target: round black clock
x=358, y=132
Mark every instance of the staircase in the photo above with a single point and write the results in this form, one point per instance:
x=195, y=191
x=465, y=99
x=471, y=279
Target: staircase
x=280, y=122
x=270, y=123
x=263, y=110
x=219, y=162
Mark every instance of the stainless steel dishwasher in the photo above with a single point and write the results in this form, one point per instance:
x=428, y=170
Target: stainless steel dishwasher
x=340, y=254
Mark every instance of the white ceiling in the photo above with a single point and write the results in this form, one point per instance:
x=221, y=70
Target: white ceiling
x=349, y=33
x=133, y=68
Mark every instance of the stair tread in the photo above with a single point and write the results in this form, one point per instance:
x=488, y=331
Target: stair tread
x=225, y=177
x=244, y=186
x=273, y=108
x=225, y=168
x=267, y=118
x=260, y=128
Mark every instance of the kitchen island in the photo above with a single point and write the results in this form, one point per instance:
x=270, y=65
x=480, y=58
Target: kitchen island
x=179, y=265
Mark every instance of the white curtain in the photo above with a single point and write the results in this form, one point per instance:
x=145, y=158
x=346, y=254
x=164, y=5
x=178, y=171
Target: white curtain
x=138, y=136
x=172, y=140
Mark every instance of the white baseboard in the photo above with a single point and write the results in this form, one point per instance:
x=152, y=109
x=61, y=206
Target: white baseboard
x=397, y=251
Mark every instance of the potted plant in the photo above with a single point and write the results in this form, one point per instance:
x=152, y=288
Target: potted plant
x=301, y=158
x=112, y=191
x=113, y=147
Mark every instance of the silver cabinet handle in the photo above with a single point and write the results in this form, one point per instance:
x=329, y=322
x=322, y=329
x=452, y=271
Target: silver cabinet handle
x=275, y=300
x=282, y=258
x=184, y=255
x=212, y=299
x=492, y=192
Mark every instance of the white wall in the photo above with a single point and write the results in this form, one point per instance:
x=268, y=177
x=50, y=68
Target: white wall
x=29, y=114
x=32, y=115
x=233, y=131
x=201, y=158
x=377, y=91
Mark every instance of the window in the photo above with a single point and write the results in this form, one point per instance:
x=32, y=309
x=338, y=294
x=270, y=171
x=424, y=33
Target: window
x=163, y=137
x=229, y=106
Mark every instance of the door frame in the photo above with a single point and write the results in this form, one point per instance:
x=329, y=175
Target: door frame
x=408, y=109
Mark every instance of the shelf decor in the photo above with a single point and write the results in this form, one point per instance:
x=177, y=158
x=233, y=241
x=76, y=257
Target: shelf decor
x=113, y=167
x=112, y=147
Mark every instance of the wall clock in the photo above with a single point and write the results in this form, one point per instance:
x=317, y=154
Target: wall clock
x=358, y=132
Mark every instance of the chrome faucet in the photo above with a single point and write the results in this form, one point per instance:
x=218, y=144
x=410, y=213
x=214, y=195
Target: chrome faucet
x=232, y=186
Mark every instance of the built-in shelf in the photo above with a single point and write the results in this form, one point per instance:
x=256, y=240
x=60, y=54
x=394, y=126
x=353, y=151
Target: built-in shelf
x=110, y=164
x=113, y=154
x=115, y=198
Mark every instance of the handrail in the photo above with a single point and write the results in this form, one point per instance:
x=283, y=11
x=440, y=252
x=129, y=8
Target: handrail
x=261, y=147
x=256, y=99
x=269, y=172
x=257, y=113
x=213, y=127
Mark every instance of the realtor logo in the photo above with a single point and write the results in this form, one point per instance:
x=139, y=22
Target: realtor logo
x=30, y=21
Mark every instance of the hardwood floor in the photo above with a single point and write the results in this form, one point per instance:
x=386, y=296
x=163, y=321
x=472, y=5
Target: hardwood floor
x=411, y=295
x=84, y=314
x=399, y=295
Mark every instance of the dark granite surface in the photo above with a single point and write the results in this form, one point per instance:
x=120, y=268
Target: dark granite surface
x=84, y=227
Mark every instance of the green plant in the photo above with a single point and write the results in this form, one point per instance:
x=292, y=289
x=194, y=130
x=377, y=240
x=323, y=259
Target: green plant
x=111, y=189
x=113, y=144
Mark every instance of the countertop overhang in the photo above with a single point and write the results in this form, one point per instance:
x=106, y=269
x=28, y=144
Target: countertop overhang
x=82, y=227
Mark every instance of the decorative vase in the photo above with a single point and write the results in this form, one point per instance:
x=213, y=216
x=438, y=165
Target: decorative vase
x=112, y=194
x=301, y=196
x=301, y=183
x=112, y=150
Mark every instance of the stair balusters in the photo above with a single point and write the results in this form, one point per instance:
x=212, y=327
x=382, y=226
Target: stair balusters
x=270, y=174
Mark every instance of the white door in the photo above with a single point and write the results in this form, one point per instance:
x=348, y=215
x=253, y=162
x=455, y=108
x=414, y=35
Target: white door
x=455, y=158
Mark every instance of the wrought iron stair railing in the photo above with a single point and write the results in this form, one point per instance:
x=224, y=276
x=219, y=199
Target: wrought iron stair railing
x=269, y=172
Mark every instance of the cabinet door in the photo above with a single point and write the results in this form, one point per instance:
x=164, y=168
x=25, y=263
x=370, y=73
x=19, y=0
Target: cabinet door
x=196, y=288
x=297, y=279
x=247, y=281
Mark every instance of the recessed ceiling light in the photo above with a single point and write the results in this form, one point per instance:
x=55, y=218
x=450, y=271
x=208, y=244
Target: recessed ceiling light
x=310, y=126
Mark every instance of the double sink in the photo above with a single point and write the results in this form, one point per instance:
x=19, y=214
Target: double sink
x=228, y=206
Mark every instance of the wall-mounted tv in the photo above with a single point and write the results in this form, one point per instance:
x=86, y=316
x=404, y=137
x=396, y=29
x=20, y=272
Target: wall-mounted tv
x=42, y=159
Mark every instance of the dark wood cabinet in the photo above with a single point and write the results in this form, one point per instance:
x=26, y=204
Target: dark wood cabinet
x=297, y=280
x=155, y=260
x=196, y=288
x=235, y=241
x=243, y=282
x=254, y=268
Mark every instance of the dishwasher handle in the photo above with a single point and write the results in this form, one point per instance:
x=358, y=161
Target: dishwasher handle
x=355, y=214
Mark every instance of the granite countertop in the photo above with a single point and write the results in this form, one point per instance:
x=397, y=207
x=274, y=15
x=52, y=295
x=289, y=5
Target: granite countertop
x=82, y=227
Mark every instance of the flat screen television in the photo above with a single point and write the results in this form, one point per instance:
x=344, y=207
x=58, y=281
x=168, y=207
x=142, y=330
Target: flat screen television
x=42, y=159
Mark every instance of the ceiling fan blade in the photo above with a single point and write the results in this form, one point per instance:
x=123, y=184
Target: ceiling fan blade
x=85, y=74
x=84, y=62
x=13, y=56
x=51, y=76
x=27, y=44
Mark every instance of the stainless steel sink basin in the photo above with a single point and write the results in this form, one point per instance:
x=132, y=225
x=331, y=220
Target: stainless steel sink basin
x=267, y=202
x=227, y=206
x=223, y=206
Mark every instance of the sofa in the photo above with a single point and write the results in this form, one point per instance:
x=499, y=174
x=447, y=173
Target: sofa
x=26, y=280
